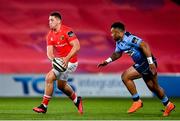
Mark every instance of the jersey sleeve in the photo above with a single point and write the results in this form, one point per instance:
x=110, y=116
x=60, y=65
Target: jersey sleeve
x=70, y=35
x=48, y=40
x=135, y=41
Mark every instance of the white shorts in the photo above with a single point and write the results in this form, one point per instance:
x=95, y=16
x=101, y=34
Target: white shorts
x=64, y=75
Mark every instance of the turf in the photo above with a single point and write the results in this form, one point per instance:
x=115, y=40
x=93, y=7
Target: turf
x=94, y=108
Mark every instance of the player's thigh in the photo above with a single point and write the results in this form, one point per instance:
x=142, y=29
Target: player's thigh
x=130, y=74
x=61, y=83
x=50, y=76
x=64, y=75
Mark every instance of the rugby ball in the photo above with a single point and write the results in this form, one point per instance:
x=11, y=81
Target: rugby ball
x=57, y=64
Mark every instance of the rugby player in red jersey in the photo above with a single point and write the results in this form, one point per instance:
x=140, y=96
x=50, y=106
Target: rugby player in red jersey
x=61, y=43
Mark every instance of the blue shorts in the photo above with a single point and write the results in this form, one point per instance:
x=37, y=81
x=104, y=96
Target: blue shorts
x=144, y=70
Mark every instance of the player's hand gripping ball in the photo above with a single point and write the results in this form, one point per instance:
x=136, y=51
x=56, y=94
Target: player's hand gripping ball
x=58, y=64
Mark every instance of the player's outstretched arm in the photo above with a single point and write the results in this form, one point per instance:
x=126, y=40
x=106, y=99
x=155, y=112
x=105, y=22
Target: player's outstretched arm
x=146, y=50
x=113, y=57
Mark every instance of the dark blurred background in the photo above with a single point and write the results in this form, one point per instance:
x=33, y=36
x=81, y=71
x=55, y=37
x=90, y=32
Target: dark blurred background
x=24, y=25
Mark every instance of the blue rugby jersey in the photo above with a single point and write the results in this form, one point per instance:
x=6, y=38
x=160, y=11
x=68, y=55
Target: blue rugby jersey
x=130, y=45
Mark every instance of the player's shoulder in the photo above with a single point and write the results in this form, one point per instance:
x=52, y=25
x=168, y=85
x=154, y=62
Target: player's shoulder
x=134, y=37
x=130, y=36
x=49, y=33
x=127, y=36
x=68, y=31
x=66, y=28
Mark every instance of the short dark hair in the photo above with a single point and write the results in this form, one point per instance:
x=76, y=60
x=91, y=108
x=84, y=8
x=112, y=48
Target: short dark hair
x=118, y=25
x=56, y=14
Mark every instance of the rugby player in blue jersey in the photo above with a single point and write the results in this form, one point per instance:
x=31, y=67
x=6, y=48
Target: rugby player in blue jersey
x=145, y=66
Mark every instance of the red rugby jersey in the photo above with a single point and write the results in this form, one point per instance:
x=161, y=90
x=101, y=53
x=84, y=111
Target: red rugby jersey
x=61, y=42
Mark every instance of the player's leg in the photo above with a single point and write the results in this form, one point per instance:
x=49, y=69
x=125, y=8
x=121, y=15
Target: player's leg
x=66, y=88
x=127, y=77
x=153, y=85
x=49, y=86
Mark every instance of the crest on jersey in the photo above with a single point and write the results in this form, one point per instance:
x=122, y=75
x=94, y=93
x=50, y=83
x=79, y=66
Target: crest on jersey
x=61, y=37
x=134, y=40
x=70, y=34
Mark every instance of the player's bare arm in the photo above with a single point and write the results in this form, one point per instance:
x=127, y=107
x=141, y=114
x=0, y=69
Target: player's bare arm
x=75, y=48
x=146, y=50
x=50, y=52
x=113, y=57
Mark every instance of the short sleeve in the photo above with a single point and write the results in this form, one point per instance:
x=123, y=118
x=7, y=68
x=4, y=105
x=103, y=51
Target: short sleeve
x=135, y=41
x=70, y=35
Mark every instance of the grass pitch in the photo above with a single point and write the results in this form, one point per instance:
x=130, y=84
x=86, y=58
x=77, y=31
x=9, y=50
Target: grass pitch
x=94, y=109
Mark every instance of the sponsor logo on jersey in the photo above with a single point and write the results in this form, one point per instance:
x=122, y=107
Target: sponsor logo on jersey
x=60, y=45
x=70, y=34
x=134, y=40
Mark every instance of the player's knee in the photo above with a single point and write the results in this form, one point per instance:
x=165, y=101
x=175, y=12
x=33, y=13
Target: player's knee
x=124, y=77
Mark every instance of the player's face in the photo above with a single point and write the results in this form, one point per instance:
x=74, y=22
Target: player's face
x=54, y=22
x=117, y=34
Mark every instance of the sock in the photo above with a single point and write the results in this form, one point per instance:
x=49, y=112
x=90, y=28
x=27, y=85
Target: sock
x=74, y=97
x=46, y=100
x=135, y=97
x=165, y=100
